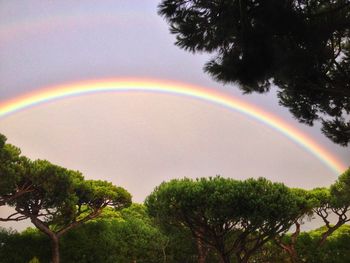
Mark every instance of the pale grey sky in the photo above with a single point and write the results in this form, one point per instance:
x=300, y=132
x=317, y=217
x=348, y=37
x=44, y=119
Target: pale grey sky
x=135, y=140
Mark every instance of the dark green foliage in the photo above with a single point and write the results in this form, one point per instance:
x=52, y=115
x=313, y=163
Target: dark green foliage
x=335, y=202
x=62, y=200
x=335, y=250
x=127, y=237
x=22, y=247
x=14, y=181
x=340, y=190
x=55, y=199
x=203, y=220
x=181, y=246
x=270, y=253
x=120, y=237
x=233, y=217
x=301, y=46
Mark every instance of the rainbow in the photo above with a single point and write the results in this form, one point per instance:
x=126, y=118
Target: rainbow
x=180, y=89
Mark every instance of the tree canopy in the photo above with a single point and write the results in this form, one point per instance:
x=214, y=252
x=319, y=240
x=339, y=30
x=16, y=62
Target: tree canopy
x=122, y=236
x=54, y=198
x=207, y=219
x=233, y=217
x=335, y=202
x=301, y=46
x=331, y=205
x=14, y=178
x=62, y=200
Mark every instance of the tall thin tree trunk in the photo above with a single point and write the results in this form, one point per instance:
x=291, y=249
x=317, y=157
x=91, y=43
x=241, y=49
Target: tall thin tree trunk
x=53, y=238
x=55, y=249
x=164, y=255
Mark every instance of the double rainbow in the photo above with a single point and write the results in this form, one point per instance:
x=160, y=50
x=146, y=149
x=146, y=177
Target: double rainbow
x=179, y=89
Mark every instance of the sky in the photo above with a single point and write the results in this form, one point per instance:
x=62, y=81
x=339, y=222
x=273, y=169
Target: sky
x=136, y=139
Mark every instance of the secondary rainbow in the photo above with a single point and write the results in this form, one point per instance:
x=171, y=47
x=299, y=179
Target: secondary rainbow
x=179, y=89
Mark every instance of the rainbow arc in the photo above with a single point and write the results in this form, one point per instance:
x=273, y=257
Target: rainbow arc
x=178, y=89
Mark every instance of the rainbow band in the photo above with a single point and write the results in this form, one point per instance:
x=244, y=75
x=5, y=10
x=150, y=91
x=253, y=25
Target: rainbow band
x=75, y=89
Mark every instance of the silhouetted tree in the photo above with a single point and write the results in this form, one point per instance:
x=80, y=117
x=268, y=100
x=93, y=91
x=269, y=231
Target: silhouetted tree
x=301, y=46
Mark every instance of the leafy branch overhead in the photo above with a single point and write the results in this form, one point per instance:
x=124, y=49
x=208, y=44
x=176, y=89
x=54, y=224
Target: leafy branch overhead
x=301, y=46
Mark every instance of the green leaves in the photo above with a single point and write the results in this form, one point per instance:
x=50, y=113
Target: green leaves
x=232, y=216
x=13, y=168
x=341, y=190
x=62, y=197
x=98, y=194
x=54, y=198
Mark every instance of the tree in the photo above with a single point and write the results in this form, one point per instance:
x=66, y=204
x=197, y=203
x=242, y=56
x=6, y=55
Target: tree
x=233, y=217
x=142, y=240
x=334, y=201
x=62, y=200
x=22, y=247
x=182, y=246
x=288, y=241
x=271, y=252
x=13, y=173
x=122, y=236
x=326, y=203
x=301, y=46
x=336, y=248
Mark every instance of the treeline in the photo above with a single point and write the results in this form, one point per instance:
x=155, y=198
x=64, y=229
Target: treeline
x=204, y=220
x=130, y=236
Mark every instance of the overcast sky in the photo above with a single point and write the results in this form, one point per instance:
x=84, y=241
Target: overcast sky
x=135, y=140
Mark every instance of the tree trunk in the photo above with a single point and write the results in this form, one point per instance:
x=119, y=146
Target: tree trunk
x=290, y=248
x=242, y=260
x=330, y=231
x=164, y=255
x=225, y=258
x=53, y=238
x=55, y=249
x=325, y=235
x=293, y=255
x=202, y=251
